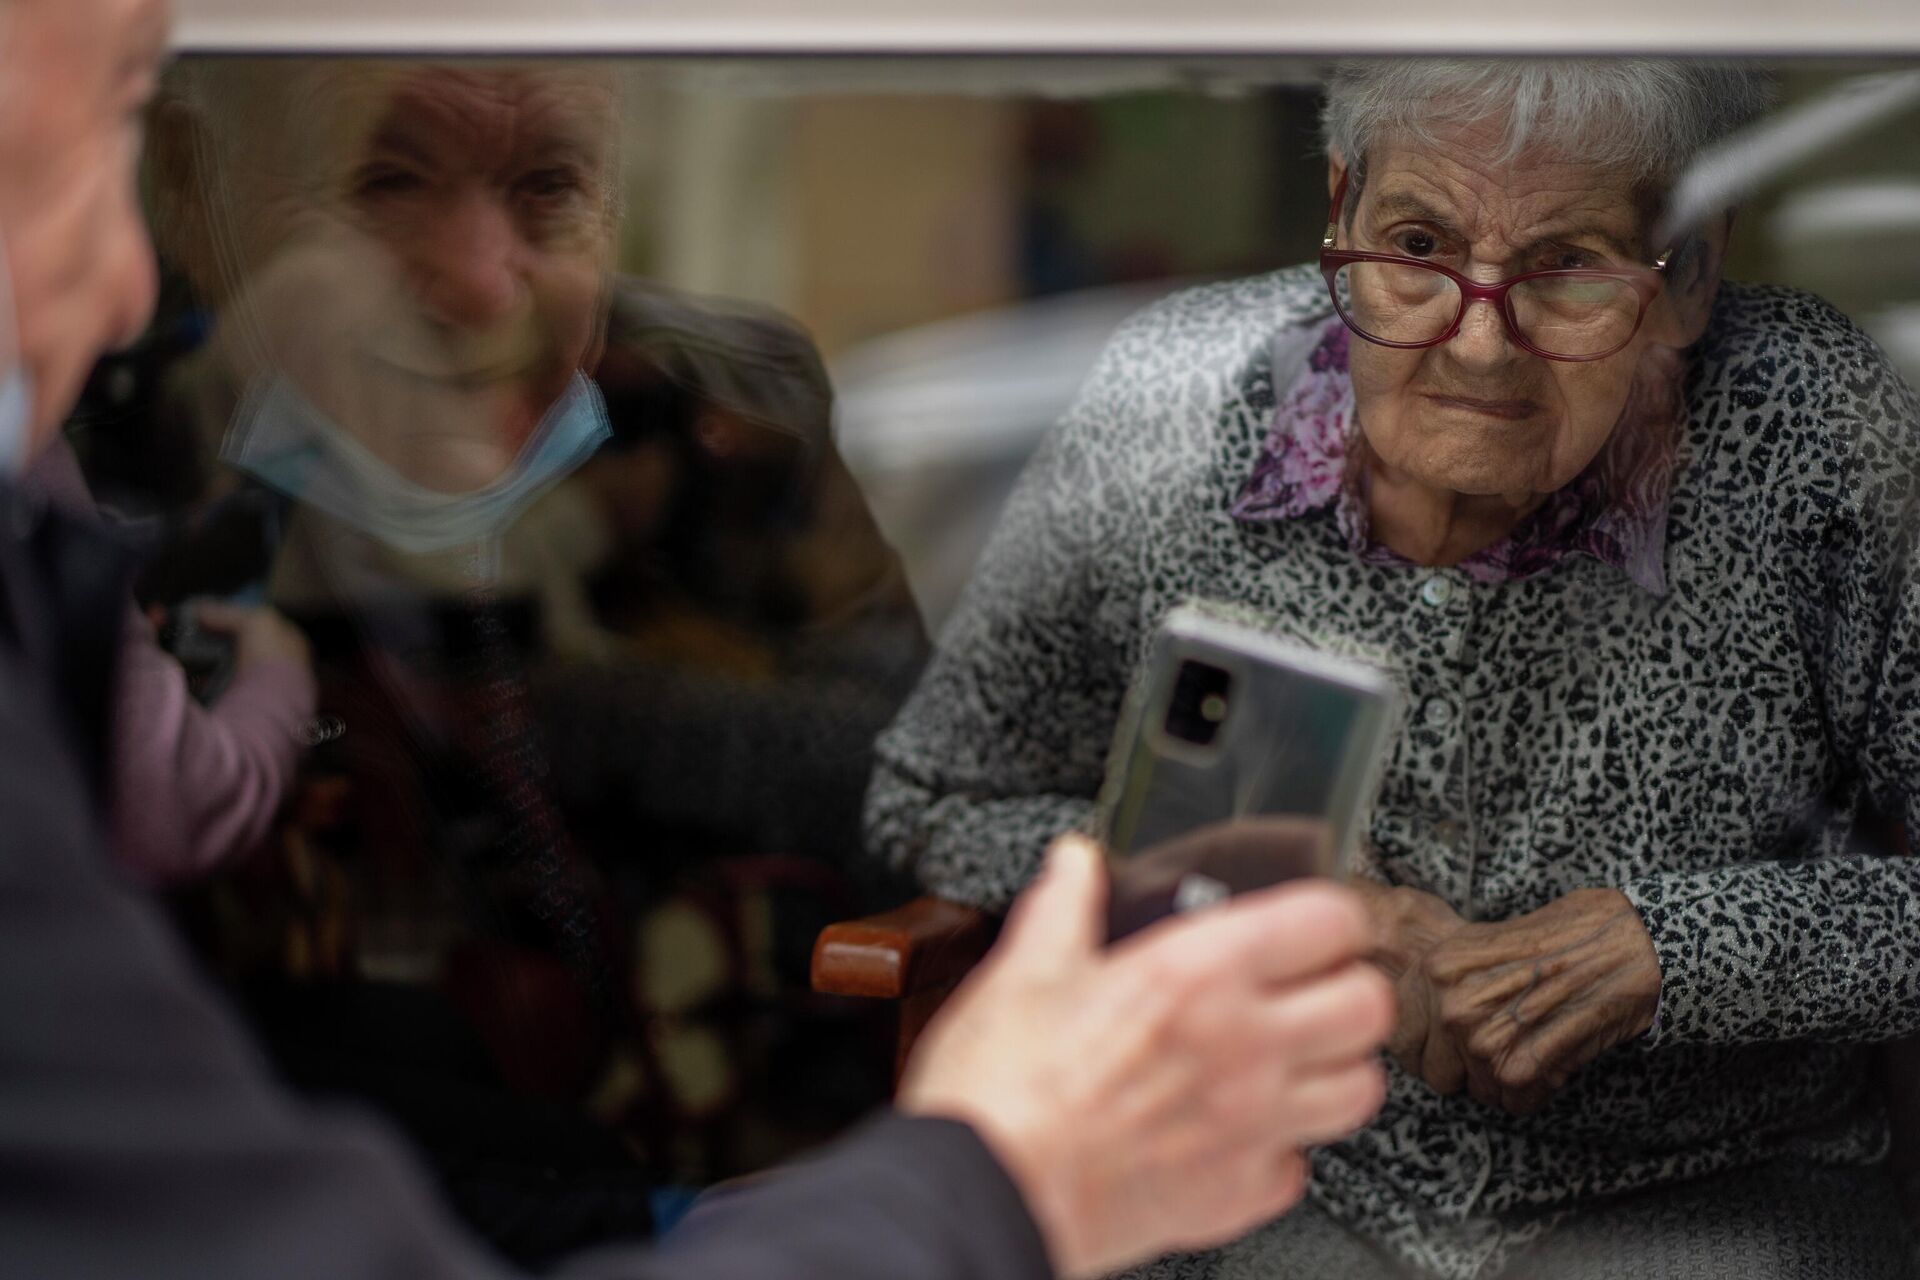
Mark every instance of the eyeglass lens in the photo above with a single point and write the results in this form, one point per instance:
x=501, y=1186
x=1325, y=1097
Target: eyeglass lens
x=1408, y=303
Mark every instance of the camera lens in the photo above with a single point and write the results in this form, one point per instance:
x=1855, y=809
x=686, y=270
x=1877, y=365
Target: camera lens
x=1199, y=704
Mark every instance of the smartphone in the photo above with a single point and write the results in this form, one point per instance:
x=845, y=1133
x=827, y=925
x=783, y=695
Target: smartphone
x=1240, y=760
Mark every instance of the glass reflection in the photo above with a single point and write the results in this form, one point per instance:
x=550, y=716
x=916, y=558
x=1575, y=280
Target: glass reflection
x=605, y=630
x=601, y=627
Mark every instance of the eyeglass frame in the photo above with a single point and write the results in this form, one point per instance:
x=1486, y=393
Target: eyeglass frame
x=1645, y=282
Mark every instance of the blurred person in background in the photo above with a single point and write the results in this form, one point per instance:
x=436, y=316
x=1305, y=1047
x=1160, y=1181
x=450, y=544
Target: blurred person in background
x=406, y=268
x=1637, y=545
x=139, y=1133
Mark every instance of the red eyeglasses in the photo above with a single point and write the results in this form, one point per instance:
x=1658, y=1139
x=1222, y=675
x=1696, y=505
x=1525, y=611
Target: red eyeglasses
x=1397, y=301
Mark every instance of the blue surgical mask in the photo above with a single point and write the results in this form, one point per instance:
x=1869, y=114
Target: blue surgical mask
x=16, y=421
x=16, y=385
x=282, y=438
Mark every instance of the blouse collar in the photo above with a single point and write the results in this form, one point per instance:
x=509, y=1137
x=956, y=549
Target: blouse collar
x=1615, y=511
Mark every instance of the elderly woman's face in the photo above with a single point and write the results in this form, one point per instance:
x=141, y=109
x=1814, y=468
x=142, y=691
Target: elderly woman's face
x=424, y=250
x=1478, y=414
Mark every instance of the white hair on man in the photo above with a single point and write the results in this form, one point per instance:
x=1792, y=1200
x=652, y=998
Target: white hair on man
x=247, y=113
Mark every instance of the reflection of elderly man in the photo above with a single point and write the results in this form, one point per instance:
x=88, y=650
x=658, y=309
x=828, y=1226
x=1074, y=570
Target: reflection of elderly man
x=411, y=263
x=409, y=266
x=1656, y=635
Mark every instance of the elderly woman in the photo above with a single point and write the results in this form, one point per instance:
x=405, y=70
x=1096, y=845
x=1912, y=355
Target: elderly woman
x=1635, y=544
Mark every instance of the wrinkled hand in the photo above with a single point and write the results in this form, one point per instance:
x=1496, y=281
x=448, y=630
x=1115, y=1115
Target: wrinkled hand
x=1155, y=1094
x=1511, y=1011
x=260, y=634
x=1408, y=925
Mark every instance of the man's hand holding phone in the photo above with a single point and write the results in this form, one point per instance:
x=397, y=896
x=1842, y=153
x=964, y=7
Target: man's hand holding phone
x=1157, y=1093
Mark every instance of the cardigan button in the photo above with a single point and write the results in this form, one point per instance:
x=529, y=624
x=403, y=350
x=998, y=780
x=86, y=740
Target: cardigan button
x=1436, y=591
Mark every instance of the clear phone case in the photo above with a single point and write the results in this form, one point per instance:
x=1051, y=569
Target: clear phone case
x=1241, y=760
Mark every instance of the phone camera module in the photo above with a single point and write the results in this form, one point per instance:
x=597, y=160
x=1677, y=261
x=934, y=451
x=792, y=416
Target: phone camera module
x=1199, y=704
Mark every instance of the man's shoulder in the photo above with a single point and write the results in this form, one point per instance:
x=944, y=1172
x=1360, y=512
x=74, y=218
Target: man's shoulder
x=44, y=792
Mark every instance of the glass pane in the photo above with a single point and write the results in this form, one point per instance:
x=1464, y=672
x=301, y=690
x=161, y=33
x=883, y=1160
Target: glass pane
x=725, y=497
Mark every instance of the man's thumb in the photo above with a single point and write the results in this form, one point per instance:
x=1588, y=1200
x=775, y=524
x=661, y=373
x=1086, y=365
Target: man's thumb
x=1063, y=917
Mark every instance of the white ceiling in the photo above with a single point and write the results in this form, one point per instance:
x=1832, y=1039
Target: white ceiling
x=1885, y=28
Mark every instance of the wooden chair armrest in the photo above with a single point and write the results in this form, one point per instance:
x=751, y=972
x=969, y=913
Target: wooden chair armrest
x=926, y=946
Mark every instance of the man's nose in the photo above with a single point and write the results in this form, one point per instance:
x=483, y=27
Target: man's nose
x=1482, y=341
x=466, y=266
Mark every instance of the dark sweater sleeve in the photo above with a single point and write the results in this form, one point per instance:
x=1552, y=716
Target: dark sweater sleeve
x=140, y=1133
x=902, y=1197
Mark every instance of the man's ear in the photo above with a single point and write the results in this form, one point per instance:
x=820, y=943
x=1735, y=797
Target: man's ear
x=1686, y=303
x=177, y=191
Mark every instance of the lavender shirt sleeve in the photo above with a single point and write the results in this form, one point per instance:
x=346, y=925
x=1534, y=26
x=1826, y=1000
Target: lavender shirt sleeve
x=193, y=786
x=196, y=786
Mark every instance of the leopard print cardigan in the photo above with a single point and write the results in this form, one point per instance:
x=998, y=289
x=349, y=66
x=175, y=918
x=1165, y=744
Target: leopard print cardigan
x=1707, y=751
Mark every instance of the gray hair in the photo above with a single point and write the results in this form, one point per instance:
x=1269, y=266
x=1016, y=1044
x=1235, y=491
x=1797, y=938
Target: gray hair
x=1646, y=117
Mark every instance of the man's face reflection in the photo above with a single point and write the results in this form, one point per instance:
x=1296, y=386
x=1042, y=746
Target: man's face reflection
x=426, y=256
